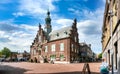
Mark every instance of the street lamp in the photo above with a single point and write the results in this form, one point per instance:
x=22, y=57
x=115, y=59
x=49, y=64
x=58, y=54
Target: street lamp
x=111, y=14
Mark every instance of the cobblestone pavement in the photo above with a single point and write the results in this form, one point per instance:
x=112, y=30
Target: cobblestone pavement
x=46, y=68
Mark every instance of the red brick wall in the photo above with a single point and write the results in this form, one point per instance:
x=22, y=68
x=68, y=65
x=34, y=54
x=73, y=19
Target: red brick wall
x=57, y=49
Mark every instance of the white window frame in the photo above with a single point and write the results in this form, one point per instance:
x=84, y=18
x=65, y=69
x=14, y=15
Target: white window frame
x=75, y=39
x=72, y=46
x=53, y=47
x=61, y=46
x=75, y=50
x=39, y=38
x=46, y=48
x=34, y=51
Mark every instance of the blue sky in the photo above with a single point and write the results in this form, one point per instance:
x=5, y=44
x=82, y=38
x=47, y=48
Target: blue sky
x=19, y=20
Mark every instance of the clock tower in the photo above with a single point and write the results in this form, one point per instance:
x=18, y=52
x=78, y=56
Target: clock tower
x=48, y=27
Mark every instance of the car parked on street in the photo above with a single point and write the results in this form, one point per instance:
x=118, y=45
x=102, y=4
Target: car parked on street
x=2, y=59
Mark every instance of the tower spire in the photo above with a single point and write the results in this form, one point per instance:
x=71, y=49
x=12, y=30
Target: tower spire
x=48, y=19
x=75, y=22
x=39, y=26
x=48, y=27
x=48, y=12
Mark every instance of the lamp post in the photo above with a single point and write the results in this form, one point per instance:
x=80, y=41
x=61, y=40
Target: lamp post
x=111, y=14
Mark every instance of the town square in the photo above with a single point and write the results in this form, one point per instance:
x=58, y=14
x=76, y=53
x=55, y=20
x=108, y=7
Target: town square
x=60, y=37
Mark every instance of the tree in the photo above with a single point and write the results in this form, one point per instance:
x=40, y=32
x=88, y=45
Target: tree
x=0, y=54
x=5, y=51
x=100, y=55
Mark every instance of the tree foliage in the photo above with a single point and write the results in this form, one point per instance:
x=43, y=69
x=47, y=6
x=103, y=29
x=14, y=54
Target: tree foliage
x=0, y=54
x=6, y=51
x=100, y=55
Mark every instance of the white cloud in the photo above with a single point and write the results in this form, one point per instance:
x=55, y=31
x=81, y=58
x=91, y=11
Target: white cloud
x=64, y=22
x=36, y=8
x=7, y=21
x=104, y=1
x=20, y=39
x=28, y=27
x=1, y=33
x=71, y=9
x=18, y=14
x=75, y=11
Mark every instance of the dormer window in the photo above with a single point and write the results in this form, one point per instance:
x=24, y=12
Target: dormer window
x=57, y=34
x=65, y=32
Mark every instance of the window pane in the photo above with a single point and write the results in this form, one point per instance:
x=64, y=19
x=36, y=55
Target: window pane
x=53, y=47
x=72, y=47
x=39, y=38
x=75, y=39
x=61, y=46
x=34, y=51
x=46, y=49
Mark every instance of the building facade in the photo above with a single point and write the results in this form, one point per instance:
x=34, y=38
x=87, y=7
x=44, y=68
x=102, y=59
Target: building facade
x=111, y=34
x=86, y=54
x=60, y=46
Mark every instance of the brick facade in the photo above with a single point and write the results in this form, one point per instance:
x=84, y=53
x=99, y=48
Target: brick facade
x=61, y=46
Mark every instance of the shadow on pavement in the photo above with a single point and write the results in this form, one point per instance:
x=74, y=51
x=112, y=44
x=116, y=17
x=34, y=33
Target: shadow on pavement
x=76, y=72
x=73, y=73
x=5, y=69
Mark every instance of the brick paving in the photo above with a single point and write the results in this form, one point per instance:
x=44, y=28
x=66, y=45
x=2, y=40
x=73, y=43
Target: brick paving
x=46, y=68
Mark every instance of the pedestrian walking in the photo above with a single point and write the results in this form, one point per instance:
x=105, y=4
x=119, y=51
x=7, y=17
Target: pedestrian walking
x=104, y=67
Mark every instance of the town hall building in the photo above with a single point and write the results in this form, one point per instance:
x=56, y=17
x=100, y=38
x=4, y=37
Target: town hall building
x=59, y=46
